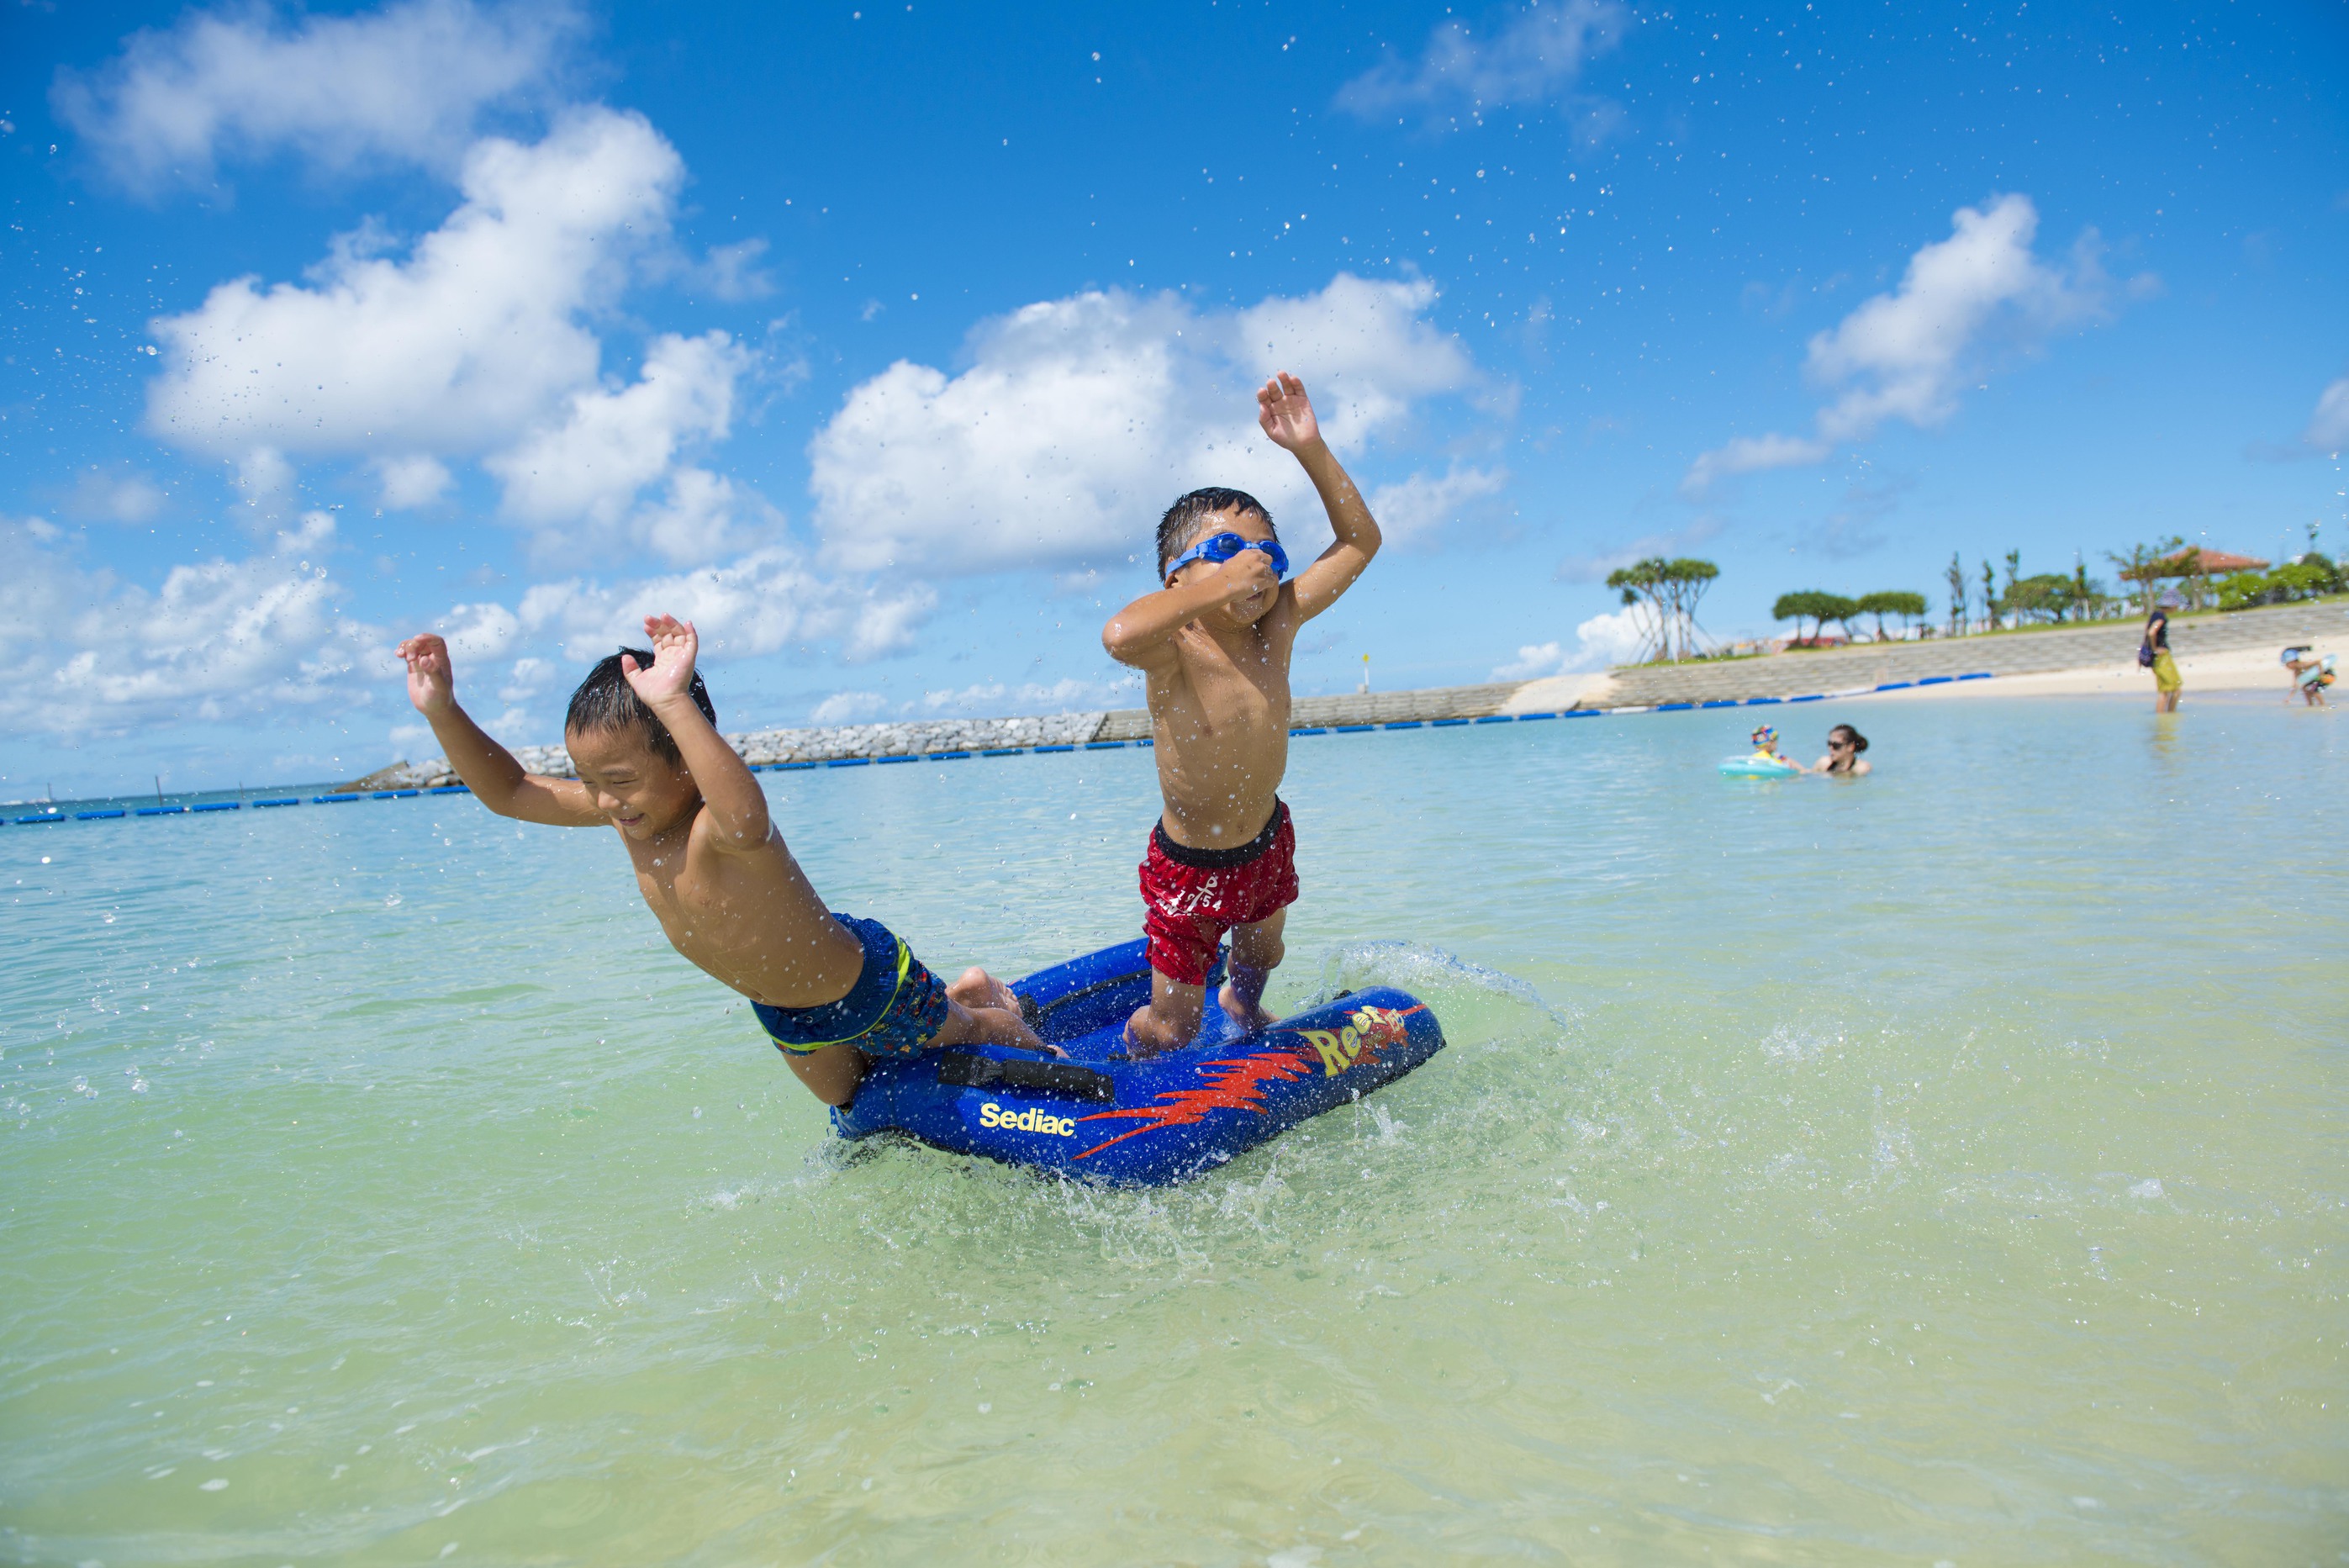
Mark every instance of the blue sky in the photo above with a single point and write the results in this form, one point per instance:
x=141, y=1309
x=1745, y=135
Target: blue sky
x=874, y=337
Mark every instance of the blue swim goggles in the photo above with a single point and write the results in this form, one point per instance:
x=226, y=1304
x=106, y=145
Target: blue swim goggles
x=1222, y=548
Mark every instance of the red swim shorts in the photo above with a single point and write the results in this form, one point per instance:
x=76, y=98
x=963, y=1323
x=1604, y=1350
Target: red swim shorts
x=1193, y=896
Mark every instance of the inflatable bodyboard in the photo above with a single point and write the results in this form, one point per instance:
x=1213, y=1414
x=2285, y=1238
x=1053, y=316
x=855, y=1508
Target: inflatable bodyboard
x=1098, y=1116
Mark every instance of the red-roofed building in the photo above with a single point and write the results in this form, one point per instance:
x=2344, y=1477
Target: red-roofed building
x=2212, y=563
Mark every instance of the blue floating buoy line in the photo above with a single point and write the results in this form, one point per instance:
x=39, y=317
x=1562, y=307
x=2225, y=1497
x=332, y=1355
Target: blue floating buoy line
x=103, y=813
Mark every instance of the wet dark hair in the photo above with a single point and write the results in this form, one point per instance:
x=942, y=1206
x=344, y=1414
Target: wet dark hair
x=606, y=700
x=1858, y=740
x=1190, y=513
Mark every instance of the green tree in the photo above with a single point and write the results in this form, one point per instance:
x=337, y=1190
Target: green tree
x=1817, y=607
x=2147, y=565
x=1669, y=592
x=1802, y=604
x=1957, y=595
x=1907, y=606
x=2048, y=594
x=1990, y=597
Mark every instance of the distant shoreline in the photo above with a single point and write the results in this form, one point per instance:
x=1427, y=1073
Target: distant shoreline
x=2234, y=652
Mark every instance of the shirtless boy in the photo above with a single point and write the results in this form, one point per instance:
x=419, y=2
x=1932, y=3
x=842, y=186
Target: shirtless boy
x=1213, y=645
x=831, y=990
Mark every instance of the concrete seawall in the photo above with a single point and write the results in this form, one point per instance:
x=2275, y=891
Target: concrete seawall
x=2108, y=643
x=1778, y=675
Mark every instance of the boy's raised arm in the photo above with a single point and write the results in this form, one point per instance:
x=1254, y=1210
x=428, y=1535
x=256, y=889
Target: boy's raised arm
x=1286, y=415
x=733, y=801
x=1142, y=633
x=488, y=769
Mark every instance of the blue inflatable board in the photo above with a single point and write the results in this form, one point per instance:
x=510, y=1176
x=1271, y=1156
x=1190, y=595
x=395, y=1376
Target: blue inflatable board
x=1101, y=1116
x=1754, y=768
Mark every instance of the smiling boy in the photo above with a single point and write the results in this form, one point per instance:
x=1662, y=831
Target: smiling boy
x=1213, y=646
x=829, y=989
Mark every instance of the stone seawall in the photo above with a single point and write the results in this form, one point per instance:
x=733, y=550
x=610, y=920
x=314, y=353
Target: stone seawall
x=777, y=748
x=1350, y=707
x=1777, y=675
x=2106, y=643
x=930, y=737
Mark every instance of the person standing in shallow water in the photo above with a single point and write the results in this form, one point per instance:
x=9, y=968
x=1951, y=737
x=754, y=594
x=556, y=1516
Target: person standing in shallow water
x=2167, y=682
x=1214, y=643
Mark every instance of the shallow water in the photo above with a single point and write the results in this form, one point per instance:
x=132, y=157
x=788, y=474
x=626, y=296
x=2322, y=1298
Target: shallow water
x=1947, y=1166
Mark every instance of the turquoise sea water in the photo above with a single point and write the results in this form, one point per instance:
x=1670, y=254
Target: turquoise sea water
x=1944, y=1167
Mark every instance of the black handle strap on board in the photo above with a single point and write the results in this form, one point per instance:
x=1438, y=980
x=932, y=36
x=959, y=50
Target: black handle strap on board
x=968, y=1070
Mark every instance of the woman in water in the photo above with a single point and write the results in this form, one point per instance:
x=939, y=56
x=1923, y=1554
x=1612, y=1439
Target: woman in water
x=2154, y=654
x=1844, y=746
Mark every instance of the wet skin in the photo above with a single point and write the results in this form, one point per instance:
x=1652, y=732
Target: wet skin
x=709, y=860
x=1213, y=646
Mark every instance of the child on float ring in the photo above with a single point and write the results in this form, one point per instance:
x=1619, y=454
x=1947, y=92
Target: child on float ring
x=1766, y=749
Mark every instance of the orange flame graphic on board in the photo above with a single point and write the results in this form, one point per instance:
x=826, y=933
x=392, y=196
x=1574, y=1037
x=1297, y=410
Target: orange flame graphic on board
x=1241, y=1082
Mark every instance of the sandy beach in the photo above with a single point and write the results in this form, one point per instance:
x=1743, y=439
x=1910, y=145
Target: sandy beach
x=2238, y=669
x=2232, y=670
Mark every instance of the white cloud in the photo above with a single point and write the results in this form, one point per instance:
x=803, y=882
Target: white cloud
x=1534, y=661
x=1069, y=694
x=407, y=84
x=1905, y=355
x=696, y=519
x=218, y=639
x=1908, y=347
x=1615, y=638
x=115, y=497
x=847, y=708
x=732, y=272
x=1754, y=454
x=1539, y=55
x=1080, y=418
x=527, y=680
x=474, y=345
x=266, y=479
x=479, y=632
x=2328, y=429
x=765, y=601
x=417, y=480
x=986, y=696
x=461, y=347
x=609, y=443
x=1597, y=568
x=1417, y=507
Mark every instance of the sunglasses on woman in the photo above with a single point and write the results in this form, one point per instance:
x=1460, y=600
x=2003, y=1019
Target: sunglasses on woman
x=1220, y=547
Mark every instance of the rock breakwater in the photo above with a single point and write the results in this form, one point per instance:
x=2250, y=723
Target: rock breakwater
x=775, y=748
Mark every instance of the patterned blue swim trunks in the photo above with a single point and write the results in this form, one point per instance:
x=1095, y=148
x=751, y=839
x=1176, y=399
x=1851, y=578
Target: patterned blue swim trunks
x=896, y=1008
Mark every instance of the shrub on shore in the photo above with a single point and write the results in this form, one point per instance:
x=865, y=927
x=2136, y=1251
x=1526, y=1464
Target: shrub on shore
x=2311, y=576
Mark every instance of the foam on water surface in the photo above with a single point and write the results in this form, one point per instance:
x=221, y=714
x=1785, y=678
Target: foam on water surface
x=1850, y=1171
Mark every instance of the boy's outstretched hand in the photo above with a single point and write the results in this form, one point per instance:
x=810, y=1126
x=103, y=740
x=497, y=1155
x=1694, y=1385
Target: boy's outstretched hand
x=1286, y=414
x=431, y=683
x=674, y=644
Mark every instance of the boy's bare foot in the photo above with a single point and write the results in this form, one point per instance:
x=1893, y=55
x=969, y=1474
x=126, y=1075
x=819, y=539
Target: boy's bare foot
x=1249, y=1015
x=977, y=988
x=1148, y=1033
x=995, y=1010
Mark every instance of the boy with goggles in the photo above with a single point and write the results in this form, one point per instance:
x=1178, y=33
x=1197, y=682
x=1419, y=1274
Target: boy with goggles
x=1213, y=646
